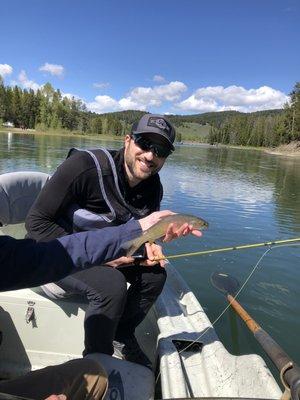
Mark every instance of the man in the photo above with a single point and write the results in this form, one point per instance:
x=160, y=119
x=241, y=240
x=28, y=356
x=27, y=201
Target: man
x=26, y=263
x=99, y=188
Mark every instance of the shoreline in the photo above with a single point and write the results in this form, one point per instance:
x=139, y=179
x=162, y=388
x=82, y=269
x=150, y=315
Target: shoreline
x=59, y=133
x=282, y=153
x=290, y=150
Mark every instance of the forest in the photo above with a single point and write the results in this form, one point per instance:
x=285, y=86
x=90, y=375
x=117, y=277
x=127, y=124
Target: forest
x=266, y=128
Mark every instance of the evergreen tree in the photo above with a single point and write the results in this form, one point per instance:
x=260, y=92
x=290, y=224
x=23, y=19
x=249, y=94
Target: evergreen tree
x=16, y=105
x=2, y=101
x=295, y=113
x=97, y=125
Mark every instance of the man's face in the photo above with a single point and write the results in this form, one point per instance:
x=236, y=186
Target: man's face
x=140, y=164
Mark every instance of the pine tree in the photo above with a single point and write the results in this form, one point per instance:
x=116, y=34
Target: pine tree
x=2, y=101
x=295, y=108
x=97, y=126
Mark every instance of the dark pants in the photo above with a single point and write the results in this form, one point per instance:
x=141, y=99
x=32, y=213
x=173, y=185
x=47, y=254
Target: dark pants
x=113, y=311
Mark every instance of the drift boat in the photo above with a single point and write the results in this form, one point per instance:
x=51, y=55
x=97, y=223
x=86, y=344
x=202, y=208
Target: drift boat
x=191, y=361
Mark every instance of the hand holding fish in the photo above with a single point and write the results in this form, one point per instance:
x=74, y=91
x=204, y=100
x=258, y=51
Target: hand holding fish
x=167, y=225
x=152, y=219
x=174, y=232
x=160, y=224
x=153, y=251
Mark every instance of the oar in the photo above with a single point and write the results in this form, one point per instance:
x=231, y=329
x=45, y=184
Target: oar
x=289, y=370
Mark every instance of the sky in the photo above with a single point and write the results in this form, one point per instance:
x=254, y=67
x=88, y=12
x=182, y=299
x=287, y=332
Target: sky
x=162, y=56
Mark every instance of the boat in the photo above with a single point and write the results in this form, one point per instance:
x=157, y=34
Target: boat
x=177, y=335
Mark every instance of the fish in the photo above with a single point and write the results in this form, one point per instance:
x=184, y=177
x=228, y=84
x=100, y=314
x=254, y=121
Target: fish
x=160, y=228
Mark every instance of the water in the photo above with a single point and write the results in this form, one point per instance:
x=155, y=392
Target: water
x=246, y=196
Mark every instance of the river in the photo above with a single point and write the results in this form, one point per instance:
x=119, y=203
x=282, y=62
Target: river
x=247, y=196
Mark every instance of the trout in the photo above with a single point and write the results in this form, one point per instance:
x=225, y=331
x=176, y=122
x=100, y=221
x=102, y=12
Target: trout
x=160, y=228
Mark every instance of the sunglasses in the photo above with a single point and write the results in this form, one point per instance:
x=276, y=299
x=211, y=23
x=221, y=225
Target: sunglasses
x=157, y=149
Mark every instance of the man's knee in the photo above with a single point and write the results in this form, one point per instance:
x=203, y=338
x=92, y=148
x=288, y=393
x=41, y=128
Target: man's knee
x=112, y=287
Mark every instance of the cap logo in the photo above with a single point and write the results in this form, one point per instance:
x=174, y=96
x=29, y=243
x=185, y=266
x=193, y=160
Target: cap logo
x=159, y=123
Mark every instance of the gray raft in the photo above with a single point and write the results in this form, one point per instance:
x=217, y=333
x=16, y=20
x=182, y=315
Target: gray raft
x=190, y=359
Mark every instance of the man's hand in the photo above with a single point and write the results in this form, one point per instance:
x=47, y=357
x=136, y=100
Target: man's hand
x=120, y=261
x=153, y=218
x=57, y=397
x=174, y=232
x=152, y=250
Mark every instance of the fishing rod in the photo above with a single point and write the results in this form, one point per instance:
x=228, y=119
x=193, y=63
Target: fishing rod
x=289, y=370
x=241, y=247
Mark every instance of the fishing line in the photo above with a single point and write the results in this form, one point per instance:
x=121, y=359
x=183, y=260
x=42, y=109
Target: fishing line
x=235, y=297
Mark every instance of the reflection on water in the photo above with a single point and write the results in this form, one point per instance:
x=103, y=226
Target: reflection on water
x=246, y=196
x=42, y=152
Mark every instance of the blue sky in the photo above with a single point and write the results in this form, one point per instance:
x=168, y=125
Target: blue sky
x=164, y=56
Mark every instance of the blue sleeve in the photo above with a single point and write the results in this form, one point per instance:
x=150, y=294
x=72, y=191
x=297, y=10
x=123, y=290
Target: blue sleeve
x=94, y=247
x=26, y=263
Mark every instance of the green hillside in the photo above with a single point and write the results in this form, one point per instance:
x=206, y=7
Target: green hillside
x=196, y=127
x=192, y=131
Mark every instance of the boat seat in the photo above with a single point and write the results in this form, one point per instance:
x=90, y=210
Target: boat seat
x=18, y=191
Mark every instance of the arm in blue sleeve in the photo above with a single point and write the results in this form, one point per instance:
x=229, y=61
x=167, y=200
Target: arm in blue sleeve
x=95, y=247
x=26, y=263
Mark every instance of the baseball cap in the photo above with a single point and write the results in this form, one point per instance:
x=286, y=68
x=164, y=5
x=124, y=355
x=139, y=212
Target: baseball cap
x=157, y=124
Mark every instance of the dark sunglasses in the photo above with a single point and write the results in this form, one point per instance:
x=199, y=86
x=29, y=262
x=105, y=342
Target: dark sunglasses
x=157, y=149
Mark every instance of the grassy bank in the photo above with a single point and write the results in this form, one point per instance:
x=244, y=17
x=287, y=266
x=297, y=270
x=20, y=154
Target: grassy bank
x=192, y=132
x=60, y=133
x=292, y=150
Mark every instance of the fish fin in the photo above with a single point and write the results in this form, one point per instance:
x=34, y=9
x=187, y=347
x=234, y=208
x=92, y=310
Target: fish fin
x=131, y=246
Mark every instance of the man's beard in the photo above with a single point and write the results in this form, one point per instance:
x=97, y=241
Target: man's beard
x=135, y=170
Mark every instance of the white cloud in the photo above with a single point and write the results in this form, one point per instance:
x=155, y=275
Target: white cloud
x=101, y=85
x=218, y=98
x=53, y=69
x=158, y=78
x=26, y=83
x=103, y=104
x=127, y=103
x=71, y=96
x=5, y=69
x=139, y=98
x=193, y=103
x=145, y=97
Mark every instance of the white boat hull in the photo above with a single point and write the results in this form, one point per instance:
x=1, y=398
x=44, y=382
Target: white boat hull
x=54, y=334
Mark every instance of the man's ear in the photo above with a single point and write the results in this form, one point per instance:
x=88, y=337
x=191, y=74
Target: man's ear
x=127, y=140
